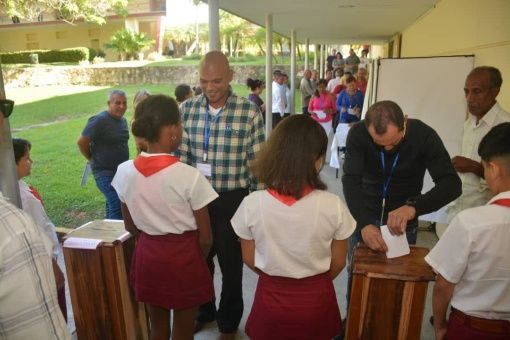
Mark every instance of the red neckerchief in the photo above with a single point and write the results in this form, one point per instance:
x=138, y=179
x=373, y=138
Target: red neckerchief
x=505, y=202
x=287, y=199
x=148, y=166
x=36, y=194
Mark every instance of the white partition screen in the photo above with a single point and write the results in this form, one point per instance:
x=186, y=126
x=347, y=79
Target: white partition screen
x=429, y=89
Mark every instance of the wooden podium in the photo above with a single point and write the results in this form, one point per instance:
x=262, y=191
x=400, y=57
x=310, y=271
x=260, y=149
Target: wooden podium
x=98, y=258
x=387, y=295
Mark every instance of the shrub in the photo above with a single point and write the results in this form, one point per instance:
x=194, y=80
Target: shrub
x=93, y=53
x=193, y=56
x=75, y=54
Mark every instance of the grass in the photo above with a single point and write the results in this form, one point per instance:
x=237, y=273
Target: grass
x=58, y=164
x=248, y=60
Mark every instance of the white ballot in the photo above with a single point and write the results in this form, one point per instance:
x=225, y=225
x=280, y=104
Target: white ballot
x=85, y=175
x=320, y=114
x=397, y=245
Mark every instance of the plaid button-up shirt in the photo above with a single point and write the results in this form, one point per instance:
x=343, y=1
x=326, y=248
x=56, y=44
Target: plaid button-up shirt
x=235, y=137
x=28, y=295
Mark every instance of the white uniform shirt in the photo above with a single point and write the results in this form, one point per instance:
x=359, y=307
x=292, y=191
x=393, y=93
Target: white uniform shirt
x=279, y=99
x=474, y=189
x=32, y=206
x=293, y=241
x=473, y=253
x=163, y=202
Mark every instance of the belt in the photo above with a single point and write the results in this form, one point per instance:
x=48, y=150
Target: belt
x=481, y=324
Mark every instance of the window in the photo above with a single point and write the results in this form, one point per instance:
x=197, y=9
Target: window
x=32, y=46
x=61, y=34
x=94, y=33
x=94, y=43
x=31, y=36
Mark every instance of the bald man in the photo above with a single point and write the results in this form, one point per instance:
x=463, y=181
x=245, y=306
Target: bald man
x=222, y=134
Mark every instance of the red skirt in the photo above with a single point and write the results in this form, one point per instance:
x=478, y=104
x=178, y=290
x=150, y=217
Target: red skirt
x=286, y=308
x=465, y=327
x=170, y=271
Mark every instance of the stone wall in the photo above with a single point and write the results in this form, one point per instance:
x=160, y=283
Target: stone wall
x=91, y=75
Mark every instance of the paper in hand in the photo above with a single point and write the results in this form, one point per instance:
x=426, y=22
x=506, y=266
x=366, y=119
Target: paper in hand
x=85, y=175
x=397, y=245
x=320, y=114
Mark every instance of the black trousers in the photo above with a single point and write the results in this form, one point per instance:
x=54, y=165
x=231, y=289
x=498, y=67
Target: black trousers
x=277, y=118
x=227, y=247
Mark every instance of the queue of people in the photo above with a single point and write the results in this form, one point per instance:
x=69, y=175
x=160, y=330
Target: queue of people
x=206, y=184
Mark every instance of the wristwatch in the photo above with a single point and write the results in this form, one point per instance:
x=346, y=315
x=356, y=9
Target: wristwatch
x=411, y=202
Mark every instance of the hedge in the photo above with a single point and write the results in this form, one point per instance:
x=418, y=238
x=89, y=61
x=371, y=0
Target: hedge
x=75, y=54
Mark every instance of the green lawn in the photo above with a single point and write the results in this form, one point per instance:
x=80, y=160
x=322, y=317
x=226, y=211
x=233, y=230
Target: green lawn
x=249, y=60
x=57, y=164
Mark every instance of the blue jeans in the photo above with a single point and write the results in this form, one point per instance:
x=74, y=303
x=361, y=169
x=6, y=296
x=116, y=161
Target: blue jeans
x=411, y=234
x=104, y=183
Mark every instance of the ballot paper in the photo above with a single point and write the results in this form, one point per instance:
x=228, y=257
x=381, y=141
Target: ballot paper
x=85, y=175
x=397, y=245
x=320, y=114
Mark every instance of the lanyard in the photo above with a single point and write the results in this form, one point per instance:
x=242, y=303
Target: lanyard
x=207, y=128
x=386, y=182
x=505, y=202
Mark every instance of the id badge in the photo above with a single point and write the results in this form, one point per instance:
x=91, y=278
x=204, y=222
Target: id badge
x=205, y=169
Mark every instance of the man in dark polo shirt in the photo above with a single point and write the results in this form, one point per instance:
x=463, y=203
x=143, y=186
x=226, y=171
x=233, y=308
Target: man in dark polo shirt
x=104, y=143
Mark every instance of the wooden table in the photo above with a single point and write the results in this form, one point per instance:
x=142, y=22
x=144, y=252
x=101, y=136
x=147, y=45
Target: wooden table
x=98, y=258
x=387, y=295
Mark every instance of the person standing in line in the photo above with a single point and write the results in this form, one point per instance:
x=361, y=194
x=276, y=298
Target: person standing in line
x=386, y=157
x=287, y=94
x=279, y=101
x=471, y=258
x=256, y=86
x=28, y=297
x=350, y=102
x=222, y=135
x=481, y=89
x=104, y=143
x=294, y=236
x=164, y=204
x=307, y=90
x=32, y=204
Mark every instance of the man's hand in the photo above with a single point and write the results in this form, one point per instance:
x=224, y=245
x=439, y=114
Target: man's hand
x=373, y=238
x=464, y=164
x=440, y=331
x=397, y=219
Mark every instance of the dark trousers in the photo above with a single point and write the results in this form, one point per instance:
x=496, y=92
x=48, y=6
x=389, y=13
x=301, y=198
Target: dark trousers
x=355, y=238
x=465, y=327
x=277, y=118
x=227, y=247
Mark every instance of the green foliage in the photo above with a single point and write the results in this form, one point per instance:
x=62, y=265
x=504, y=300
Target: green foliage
x=194, y=56
x=75, y=54
x=247, y=58
x=128, y=43
x=68, y=11
x=96, y=53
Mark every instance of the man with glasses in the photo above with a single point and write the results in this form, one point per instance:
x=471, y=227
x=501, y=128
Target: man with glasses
x=386, y=157
x=481, y=89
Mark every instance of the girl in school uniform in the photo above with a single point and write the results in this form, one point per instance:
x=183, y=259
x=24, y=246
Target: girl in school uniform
x=294, y=235
x=164, y=204
x=322, y=106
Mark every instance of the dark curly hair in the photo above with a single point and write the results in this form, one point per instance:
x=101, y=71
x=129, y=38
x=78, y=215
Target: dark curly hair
x=21, y=147
x=153, y=113
x=254, y=83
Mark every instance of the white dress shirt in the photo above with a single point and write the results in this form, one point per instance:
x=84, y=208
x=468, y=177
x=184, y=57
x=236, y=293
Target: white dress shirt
x=279, y=99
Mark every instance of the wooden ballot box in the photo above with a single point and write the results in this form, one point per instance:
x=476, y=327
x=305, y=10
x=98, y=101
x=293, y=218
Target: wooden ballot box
x=387, y=295
x=98, y=258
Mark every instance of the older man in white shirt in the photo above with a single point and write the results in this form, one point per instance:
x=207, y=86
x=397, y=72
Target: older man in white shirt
x=481, y=89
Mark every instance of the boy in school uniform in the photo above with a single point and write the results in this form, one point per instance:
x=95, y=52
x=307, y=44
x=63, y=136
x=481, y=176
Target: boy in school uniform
x=472, y=259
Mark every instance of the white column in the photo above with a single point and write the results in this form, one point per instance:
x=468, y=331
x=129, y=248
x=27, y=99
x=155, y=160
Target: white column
x=321, y=62
x=307, y=50
x=214, y=25
x=292, y=75
x=8, y=178
x=269, y=74
x=315, y=59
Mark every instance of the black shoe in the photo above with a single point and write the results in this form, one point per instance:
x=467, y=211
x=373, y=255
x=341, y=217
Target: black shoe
x=431, y=320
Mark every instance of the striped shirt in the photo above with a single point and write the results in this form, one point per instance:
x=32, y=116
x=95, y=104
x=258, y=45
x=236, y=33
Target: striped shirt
x=235, y=137
x=28, y=295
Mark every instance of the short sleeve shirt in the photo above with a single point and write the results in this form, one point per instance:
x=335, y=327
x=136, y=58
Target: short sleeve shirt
x=163, y=202
x=473, y=254
x=108, y=143
x=293, y=241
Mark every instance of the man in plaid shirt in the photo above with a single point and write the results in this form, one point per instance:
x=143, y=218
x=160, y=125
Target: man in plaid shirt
x=222, y=134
